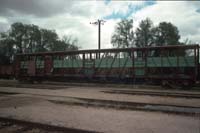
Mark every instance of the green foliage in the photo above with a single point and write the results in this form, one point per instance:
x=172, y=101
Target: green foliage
x=166, y=34
x=49, y=40
x=123, y=36
x=67, y=43
x=29, y=38
x=6, y=49
x=144, y=33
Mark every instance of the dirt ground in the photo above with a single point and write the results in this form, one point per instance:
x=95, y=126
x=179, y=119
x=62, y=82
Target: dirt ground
x=33, y=104
x=97, y=119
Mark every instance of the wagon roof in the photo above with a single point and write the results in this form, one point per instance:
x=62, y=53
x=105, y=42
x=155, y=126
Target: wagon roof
x=113, y=50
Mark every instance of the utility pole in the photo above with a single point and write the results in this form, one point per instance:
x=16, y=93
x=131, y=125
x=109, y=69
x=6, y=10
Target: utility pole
x=99, y=22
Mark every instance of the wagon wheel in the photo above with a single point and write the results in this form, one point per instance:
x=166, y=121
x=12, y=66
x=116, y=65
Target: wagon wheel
x=164, y=83
x=173, y=84
x=187, y=84
x=181, y=84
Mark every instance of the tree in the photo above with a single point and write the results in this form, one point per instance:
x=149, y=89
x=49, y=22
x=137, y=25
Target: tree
x=144, y=33
x=70, y=42
x=166, y=34
x=32, y=38
x=48, y=40
x=17, y=35
x=29, y=38
x=25, y=37
x=6, y=49
x=123, y=36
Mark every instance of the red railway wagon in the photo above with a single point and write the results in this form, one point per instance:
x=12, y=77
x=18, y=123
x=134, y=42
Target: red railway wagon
x=175, y=64
x=7, y=71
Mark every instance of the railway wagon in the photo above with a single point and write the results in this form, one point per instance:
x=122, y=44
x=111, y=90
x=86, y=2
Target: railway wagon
x=174, y=64
x=6, y=71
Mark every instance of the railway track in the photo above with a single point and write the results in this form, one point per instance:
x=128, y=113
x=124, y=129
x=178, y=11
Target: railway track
x=90, y=102
x=166, y=108
x=61, y=85
x=152, y=90
x=8, y=125
x=115, y=104
x=154, y=93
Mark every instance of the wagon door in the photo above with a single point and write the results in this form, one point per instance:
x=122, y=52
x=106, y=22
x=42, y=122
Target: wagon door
x=88, y=64
x=139, y=64
x=48, y=65
x=89, y=68
x=31, y=67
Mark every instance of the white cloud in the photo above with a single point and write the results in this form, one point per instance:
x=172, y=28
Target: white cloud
x=3, y=20
x=77, y=23
x=75, y=17
x=182, y=14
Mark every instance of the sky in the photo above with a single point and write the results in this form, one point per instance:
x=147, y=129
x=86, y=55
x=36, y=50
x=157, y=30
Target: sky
x=73, y=17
